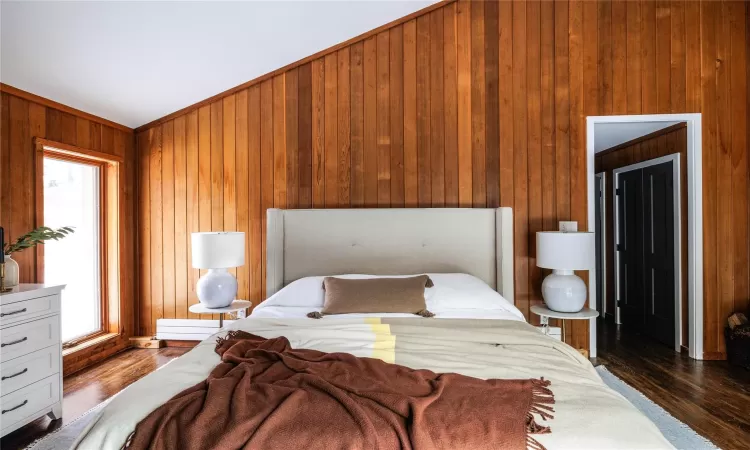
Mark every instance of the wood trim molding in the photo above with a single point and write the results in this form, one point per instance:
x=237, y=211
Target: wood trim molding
x=645, y=137
x=72, y=150
x=53, y=104
x=298, y=63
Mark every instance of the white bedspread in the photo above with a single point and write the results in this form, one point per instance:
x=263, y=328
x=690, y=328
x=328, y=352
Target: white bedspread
x=588, y=414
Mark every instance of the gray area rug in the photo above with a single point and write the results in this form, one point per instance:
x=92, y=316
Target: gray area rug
x=63, y=437
x=676, y=432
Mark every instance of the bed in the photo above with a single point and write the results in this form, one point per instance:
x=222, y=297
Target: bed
x=476, y=332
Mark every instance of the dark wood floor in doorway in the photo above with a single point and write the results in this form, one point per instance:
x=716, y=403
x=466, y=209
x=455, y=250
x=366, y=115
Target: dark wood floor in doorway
x=711, y=397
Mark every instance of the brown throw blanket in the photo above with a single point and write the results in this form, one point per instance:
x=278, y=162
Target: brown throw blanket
x=266, y=395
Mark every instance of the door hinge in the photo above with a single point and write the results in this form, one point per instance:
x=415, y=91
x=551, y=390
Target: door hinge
x=618, y=191
x=619, y=302
x=620, y=247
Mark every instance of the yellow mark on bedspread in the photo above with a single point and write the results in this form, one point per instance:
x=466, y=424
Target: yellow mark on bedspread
x=372, y=320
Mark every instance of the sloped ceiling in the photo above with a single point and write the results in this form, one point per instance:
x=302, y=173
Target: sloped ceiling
x=134, y=62
x=607, y=135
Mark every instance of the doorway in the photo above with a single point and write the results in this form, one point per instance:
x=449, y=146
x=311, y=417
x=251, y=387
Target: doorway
x=598, y=127
x=647, y=248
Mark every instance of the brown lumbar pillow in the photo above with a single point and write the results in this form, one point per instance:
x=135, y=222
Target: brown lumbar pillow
x=375, y=295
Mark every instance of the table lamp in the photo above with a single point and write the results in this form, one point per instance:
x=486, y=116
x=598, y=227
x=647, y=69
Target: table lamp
x=564, y=252
x=217, y=252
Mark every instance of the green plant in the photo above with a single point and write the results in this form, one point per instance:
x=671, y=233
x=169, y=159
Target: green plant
x=34, y=238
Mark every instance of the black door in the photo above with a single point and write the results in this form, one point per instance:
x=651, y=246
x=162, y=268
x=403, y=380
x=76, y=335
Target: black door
x=630, y=249
x=646, y=251
x=659, y=251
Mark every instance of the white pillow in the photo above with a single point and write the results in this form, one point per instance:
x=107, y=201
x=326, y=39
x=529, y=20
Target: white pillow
x=462, y=291
x=309, y=291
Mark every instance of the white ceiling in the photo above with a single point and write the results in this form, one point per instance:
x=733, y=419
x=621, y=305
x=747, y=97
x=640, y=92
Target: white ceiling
x=134, y=62
x=607, y=135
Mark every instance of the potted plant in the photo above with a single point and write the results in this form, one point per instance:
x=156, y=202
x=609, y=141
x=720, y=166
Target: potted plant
x=28, y=240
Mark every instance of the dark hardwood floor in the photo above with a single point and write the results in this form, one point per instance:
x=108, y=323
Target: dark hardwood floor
x=91, y=386
x=711, y=397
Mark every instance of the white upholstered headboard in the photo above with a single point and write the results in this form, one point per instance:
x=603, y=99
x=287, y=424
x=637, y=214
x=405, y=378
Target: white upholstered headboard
x=310, y=242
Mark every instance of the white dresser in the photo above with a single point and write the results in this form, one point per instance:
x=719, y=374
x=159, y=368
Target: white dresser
x=30, y=356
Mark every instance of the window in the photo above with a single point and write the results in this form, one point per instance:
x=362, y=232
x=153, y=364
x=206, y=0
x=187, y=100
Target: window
x=82, y=188
x=72, y=197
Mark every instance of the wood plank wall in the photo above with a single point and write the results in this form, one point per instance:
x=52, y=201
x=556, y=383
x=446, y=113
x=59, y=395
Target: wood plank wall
x=470, y=104
x=655, y=145
x=23, y=117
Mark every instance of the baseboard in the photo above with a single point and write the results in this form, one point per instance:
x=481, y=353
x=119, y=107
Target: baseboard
x=146, y=342
x=714, y=356
x=181, y=344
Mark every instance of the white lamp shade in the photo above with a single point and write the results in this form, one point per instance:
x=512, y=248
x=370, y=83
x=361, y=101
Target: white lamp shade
x=565, y=251
x=219, y=250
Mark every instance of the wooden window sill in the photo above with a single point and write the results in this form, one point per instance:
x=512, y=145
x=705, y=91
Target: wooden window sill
x=90, y=343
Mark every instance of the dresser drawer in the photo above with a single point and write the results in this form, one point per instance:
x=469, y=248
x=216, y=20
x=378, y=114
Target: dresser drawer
x=29, y=337
x=28, y=309
x=27, y=369
x=29, y=401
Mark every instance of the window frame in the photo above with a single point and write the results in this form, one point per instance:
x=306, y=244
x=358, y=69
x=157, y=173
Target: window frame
x=109, y=207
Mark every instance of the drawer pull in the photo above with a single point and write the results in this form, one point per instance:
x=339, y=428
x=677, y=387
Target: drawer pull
x=14, y=312
x=15, y=407
x=14, y=342
x=15, y=374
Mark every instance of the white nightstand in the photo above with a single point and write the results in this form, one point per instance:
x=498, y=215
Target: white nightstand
x=545, y=314
x=236, y=305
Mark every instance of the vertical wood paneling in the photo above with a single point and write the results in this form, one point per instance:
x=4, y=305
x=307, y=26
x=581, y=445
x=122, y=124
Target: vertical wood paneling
x=534, y=145
x=505, y=101
x=255, y=241
x=318, y=133
x=156, y=215
x=304, y=136
x=739, y=74
x=331, y=132
x=193, y=198
x=492, y=111
x=411, y=176
x=471, y=104
x=463, y=68
x=437, y=110
x=424, y=158
x=450, y=99
x=168, y=219
x=291, y=104
x=181, y=225
x=357, y=125
x=279, y=141
x=241, y=169
x=266, y=161
x=520, y=161
x=370, y=133
x=478, y=107
x=396, y=82
x=344, y=128
x=383, y=128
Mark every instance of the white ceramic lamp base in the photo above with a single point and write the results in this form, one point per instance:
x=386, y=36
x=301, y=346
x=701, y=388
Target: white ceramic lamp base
x=563, y=291
x=217, y=288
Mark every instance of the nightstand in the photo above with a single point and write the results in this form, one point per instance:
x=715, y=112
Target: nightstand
x=545, y=314
x=236, y=305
